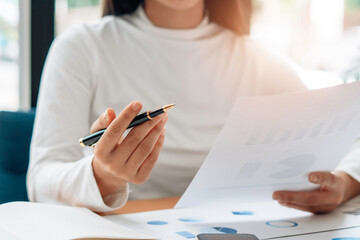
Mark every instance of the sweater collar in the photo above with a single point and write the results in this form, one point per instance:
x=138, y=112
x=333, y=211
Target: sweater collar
x=205, y=28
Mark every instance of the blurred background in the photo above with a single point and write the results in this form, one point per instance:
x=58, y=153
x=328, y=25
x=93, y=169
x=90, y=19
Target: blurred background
x=322, y=37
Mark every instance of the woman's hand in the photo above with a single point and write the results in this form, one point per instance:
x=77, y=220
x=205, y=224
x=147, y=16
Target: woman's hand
x=119, y=160
x=336, y=188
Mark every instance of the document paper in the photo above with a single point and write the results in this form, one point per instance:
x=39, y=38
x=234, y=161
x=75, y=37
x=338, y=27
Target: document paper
x=272, y=142
x=39, y=221
x=266, y=220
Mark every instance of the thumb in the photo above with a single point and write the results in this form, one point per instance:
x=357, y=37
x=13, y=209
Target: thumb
x=103, y=120
x=327, y=179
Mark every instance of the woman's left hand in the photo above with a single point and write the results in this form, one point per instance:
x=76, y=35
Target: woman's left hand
x=335, y=188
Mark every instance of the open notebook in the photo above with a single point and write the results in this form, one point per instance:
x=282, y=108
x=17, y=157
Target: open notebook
x=38, y=221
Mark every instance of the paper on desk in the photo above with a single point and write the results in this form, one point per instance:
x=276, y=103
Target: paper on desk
x=352, y=233
x=6, y=235
x=264, y=219
x=272, y=142
x=37, y=221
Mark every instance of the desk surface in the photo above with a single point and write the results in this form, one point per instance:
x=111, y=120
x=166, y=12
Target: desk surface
x=147, y=205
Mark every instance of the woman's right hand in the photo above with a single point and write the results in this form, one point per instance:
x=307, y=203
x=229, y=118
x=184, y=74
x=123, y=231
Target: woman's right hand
x=118, y=160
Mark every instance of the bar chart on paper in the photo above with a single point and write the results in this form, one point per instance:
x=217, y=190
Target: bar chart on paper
x=271, y=143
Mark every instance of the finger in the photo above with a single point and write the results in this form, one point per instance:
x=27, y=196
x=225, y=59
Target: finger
x=326, y=179
x=137, y=135
x=313, y=209
x=143, y=150
x=103, y=120
x=145, y=169
x=313, y=198
x=116, y=129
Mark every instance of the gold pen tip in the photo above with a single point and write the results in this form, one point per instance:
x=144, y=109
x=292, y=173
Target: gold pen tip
x=81, y=142
x=168, y=107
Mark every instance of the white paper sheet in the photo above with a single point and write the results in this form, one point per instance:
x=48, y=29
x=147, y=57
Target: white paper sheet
x=6, y=235
x=272, y=142
x=36, y=221
x=264, y=219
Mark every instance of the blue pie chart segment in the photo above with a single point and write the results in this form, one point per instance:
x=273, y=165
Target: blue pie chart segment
x=282, y=224
x=218, y=230
x=346, y=238
x=157, y=222
x=186, y=234
x=243, y=213
x=191, y=219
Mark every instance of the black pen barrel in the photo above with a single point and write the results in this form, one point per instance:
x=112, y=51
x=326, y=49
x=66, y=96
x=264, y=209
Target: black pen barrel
x=156, y=113
x=143, y=117
x=138, y=120
x=92, y=138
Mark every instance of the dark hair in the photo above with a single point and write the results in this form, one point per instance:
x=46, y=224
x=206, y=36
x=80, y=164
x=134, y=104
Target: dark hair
x=231, y=14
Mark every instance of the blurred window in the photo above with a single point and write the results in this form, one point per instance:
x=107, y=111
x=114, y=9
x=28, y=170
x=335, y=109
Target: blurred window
x=321, y=36
x=9, y=54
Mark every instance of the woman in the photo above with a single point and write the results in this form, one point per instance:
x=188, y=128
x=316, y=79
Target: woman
x=194, y=53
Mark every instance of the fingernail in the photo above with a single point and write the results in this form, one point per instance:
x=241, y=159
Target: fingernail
x=163, y=132
x=314, y=179
x=135, y=106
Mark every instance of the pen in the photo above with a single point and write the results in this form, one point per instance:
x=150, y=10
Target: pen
x=141, y=118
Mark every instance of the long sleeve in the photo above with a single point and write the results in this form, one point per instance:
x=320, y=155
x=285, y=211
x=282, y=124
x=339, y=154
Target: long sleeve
x=59, y=171
x=351, y=162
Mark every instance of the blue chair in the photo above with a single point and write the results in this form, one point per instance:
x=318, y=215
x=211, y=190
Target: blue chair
x=15, y=135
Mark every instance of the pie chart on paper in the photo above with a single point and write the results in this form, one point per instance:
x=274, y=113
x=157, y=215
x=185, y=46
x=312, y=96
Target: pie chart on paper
x=219, y=230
